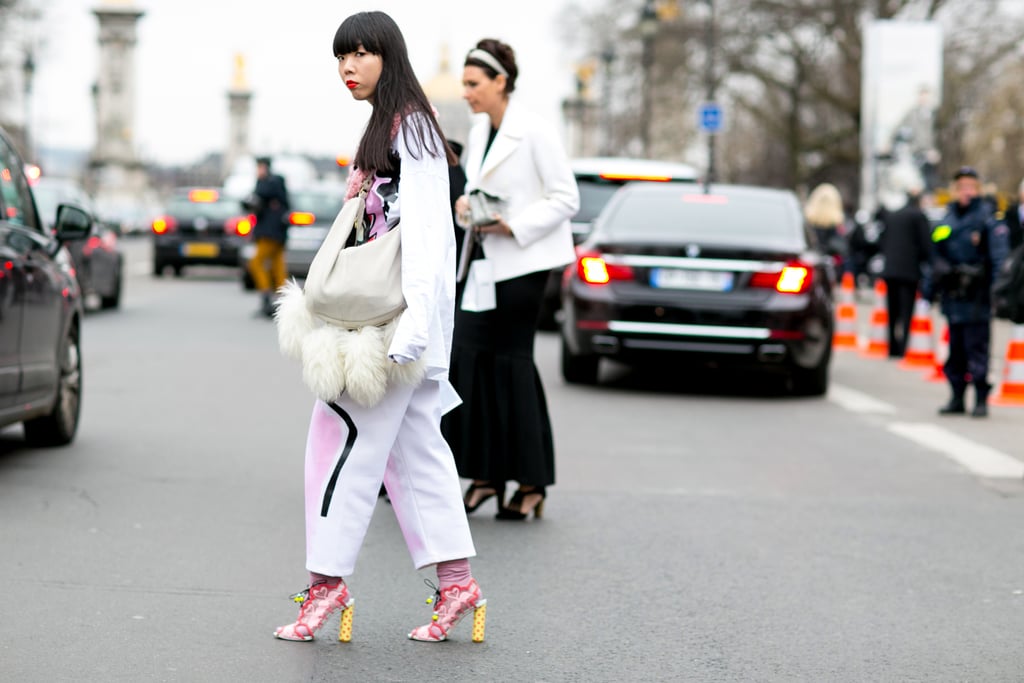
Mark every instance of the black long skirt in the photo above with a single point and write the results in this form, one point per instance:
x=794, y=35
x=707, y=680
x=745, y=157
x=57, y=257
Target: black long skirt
x=501, y=431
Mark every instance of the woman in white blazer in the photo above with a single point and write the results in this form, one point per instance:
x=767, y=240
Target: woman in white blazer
x=502, y=431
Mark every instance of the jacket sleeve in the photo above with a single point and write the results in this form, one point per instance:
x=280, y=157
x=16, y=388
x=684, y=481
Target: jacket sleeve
x=923, y=239
x=998, y=246
x=427, y=233
x=561, y=197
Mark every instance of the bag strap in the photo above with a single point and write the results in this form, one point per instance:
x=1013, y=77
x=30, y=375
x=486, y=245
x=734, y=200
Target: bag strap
x=364, y=190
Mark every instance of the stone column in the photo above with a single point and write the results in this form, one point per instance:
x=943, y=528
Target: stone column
x=117, y=176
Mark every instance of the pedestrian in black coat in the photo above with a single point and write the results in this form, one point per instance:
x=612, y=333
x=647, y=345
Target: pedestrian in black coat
x=269, y=202
x=905, y=243
x=1014, y=219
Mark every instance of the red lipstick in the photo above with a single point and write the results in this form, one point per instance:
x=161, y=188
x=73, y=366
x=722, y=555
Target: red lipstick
x=352, y=85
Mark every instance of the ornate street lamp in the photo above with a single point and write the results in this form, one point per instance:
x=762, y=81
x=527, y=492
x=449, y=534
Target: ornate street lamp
x=648, y=28
x=28, y=72
x=607, y=59
x=709, y=79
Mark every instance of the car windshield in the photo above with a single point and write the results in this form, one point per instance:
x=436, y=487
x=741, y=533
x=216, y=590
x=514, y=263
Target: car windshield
x=594, y=194
x=320, y=204
x=184, y=209
x=665, y=214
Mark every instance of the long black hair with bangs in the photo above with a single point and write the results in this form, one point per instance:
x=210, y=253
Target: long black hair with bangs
x=397, y=93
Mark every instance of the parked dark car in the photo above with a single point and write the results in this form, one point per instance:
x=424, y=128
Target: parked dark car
x=98, y=259
x=598, y=179
x=40, y=311
x=729, y=275
x=313, y=212
x=199, y=226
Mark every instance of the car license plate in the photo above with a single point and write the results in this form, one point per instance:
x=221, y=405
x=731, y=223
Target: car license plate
x=200, y=249
x=704, y=280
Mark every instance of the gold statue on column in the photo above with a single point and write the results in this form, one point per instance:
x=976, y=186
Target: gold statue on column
x=239, y=81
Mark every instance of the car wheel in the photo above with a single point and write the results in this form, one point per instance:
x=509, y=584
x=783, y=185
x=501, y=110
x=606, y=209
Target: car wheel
x=114, y=300
x=579, y=369
x=179, y=271
x=59, y=427
x=158, y=269
x=812, y=381
x=248, y=284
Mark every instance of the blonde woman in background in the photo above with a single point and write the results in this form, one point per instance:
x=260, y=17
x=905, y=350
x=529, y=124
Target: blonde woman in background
x=824, y=214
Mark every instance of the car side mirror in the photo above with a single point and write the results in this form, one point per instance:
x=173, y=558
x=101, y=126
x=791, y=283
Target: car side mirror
x=72, y=223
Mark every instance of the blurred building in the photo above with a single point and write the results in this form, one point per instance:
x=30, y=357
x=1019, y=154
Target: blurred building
x=116, y=176
x=445, y=92
x=239, y=100
x=581, y=114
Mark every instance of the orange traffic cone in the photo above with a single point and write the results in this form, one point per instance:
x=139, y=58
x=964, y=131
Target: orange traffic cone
x=878, y=332
x=920, y=349
x=1011, y=391
x=845, y=335
x=941, y=354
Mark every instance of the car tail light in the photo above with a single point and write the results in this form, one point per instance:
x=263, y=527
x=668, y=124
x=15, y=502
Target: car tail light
x=794, y=278
x=240, y=225
x=164, y=224
x=91, y=245
x=302, y=218
x=623, y=177
x=32, y=173
x=594, y=270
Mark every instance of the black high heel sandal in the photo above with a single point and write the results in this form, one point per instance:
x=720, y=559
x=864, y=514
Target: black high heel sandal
x=486, y=486
x=522, y=503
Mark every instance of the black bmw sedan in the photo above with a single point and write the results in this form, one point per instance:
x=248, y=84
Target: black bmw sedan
x=199, y=226
x=725, y=274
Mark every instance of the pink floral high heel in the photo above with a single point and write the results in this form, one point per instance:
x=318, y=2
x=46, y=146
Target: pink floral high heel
x=317, y=604
x=450, y=605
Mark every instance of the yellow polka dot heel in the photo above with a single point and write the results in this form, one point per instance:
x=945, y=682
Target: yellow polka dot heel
x=345, y=629
x=479, y=621
x=451, y=604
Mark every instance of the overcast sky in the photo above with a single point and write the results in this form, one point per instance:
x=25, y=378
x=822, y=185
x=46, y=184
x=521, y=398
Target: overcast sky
x=185, y=58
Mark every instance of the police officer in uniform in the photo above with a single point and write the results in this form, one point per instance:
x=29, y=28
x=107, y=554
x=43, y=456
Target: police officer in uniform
x=968, y=248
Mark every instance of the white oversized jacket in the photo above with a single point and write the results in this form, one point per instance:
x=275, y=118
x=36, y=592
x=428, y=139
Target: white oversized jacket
x=428, y=263
x=527, y=166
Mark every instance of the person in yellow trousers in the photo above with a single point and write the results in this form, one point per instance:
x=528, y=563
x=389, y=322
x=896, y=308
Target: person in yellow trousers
x=269, y=201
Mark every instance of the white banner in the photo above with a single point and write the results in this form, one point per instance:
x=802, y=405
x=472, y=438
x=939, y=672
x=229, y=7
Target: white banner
x=901, y=89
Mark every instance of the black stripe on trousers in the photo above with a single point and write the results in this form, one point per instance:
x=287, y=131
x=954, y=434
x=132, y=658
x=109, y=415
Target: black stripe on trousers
x=350, y=441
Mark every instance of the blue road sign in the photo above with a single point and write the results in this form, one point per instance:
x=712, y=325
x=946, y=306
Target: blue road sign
x=710, y=117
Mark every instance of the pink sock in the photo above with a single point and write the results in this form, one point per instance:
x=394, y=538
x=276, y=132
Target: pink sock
x=453, y=573
x=315, y=578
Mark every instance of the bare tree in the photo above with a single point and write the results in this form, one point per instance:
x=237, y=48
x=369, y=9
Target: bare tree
x=789, y=72
x=994, y=135
x=11, y=60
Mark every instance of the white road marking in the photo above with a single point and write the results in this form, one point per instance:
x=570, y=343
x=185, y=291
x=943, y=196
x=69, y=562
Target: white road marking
x=858, y=402
x=978, y=459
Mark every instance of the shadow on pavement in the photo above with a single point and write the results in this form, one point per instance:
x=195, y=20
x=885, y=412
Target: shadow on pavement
x=695, y=380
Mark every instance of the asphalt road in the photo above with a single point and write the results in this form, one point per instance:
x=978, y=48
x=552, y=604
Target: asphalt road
x=701, y=530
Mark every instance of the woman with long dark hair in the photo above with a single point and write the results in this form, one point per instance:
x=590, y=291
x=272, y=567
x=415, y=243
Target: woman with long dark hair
x=403, y=161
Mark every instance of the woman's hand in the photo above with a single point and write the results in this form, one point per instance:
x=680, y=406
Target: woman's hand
x=498, y=227
x=462, y=212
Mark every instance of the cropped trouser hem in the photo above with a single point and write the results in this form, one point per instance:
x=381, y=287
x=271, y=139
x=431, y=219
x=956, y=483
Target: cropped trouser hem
x=351, y=450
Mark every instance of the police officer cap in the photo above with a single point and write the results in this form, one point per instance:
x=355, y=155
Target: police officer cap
x=965, y=172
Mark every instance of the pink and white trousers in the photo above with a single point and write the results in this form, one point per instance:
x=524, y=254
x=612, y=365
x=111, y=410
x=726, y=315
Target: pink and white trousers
x=350, y=450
